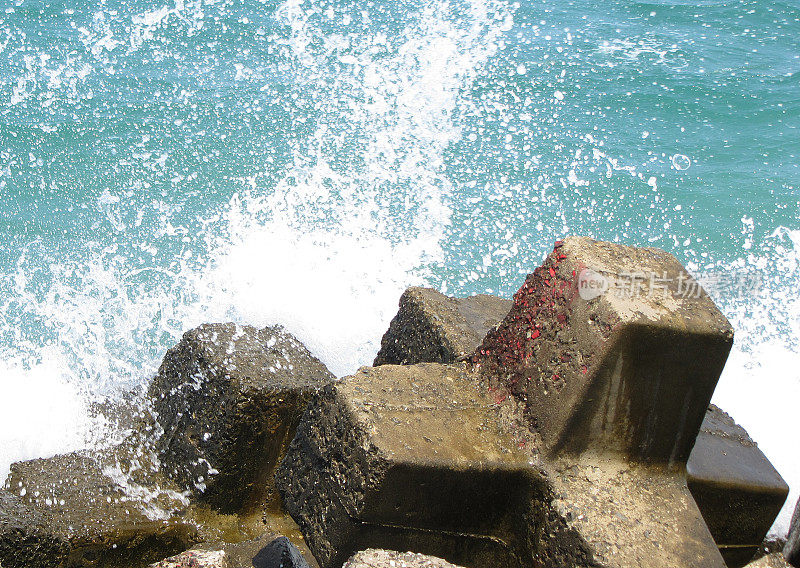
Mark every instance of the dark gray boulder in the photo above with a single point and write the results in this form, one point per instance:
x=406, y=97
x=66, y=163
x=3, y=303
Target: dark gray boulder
x=229, y=398
x=792, y=549
x=735, y=486
x=433, y=328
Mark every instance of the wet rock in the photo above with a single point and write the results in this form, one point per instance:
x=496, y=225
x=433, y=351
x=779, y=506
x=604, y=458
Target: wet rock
x=736, y=488
x=25, y=541
x=229, y=398
x=280, y=553
x=88, y=507
x=614, y=352
x=613, y=349
x=432, y=327
x=738, y=491
x=792, y=549
x=373, y=558
x=413, y=458
x=195, y=559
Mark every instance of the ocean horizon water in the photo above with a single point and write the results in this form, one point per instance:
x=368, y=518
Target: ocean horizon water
x=165, y=163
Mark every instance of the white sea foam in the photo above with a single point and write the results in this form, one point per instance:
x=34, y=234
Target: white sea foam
x=42, y=413
x=325, y=250
x=760, y=386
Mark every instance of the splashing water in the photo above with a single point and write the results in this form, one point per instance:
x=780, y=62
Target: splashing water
x=167, y=163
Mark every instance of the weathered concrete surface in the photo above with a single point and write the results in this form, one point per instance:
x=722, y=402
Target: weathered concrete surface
x=90, y=505
x=792, y=549
x=735, y=486
x=627, y=372
x=229, y=398
x=632, y=516
x=420, y=458
x=375, y=558
x=280, y=553
x=433, y=328
x=25, y=541
x=414, y=458
x=774, y=560
x=737, y=490
x=195, y=559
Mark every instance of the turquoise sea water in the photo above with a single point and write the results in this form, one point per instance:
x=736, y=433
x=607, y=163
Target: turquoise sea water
x=169, y=162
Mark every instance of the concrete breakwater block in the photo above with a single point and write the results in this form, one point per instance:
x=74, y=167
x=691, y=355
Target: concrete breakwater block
x=413, y=458
x=613, y=349
x=792, y=549
x=433, y=328
x=229, y=398
x=375, y=558
x=88, y=512
x=735, y=486
x=737, y=490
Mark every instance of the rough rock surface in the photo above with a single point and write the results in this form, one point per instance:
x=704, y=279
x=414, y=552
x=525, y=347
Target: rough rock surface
x=374, y=558
x=25, y=541
x=96, y=512
x=433, y=328
x=413, y=457
x=195, y=559
x=774, y=560
x=632, y=515
x=280, y=553
x=792, y=549
x=228, y=398
x=628, y=371
x=735, y=486
x=737, y=490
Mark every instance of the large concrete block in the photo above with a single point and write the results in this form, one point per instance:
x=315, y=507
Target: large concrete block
x=229, y=398
x=431, y=327
x=736, y=488
x=97, y=514
x=414, y=458
x=613, y=349
x=792, y=549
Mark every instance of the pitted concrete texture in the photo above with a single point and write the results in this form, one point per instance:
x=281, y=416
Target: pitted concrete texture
x=628, y=370
x=373, y=558
x=433, y=328
x=229, y=398
x=792, y=549
x=86, y=502
x=414, y=458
